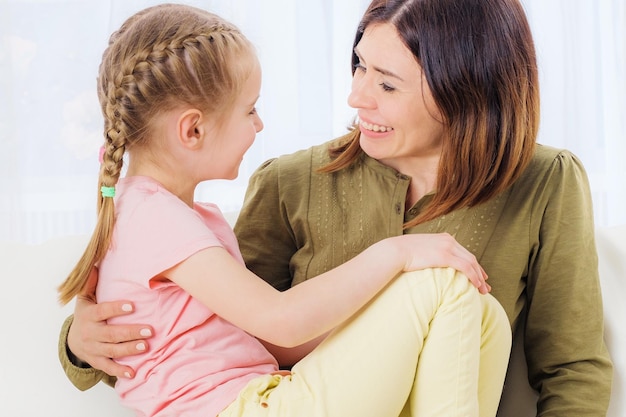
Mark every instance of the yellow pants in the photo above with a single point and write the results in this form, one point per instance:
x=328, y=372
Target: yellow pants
x=428, y=345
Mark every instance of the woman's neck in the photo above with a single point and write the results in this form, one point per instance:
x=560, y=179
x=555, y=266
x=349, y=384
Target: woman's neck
x=423, y=173
x=417, y=190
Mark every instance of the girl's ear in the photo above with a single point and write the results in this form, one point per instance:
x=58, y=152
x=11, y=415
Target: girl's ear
x=190, y=129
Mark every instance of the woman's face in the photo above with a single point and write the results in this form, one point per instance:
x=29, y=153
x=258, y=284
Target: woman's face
x=398, y=119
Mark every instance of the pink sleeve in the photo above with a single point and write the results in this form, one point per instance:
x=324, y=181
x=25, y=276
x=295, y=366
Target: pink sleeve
x=160, y=233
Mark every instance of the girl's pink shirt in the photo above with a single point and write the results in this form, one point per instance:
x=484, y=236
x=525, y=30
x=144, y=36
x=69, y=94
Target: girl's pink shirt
x=197, y=362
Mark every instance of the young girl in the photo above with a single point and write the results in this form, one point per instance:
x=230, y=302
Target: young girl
x=178, y=86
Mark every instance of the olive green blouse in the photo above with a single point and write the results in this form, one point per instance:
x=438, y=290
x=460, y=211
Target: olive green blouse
x=535, y=241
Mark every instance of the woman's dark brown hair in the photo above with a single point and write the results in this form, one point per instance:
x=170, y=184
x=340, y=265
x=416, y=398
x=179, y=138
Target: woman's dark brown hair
x=478, y=58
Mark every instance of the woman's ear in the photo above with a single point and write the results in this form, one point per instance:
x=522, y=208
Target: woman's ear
x=190, y=129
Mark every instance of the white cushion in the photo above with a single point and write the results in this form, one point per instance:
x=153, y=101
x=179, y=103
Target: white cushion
x=32, y=382
x=612, y=252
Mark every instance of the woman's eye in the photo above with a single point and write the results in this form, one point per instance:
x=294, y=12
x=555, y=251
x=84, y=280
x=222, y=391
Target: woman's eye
x=253, y=111
x=386, y=87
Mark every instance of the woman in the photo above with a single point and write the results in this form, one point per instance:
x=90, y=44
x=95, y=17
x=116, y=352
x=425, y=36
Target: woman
x=448, y=103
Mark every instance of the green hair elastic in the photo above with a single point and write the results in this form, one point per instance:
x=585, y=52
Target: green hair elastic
x=107, y=191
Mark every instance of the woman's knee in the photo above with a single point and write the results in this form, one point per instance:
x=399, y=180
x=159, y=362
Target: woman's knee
x=496, y=323
x=443, y=286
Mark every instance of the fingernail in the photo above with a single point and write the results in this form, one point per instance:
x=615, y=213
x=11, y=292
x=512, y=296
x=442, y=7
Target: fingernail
x=127, y=374
x=141, y=346
x=145, y=332
x=127, y=307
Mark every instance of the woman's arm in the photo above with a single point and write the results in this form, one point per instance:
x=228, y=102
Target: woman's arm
x=568, y=361
x=88, y=345
x=80, y=374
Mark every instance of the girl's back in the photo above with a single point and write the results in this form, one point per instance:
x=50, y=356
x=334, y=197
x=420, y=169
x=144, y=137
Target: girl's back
x=192, y=347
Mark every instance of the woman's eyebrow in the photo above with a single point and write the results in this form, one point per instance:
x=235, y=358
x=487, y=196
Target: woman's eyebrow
x=378, y=69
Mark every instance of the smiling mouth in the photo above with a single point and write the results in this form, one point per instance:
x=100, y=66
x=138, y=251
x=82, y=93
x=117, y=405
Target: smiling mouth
x=375, y=128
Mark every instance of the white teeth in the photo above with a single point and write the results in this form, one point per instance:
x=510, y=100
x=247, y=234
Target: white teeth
x=376, y=128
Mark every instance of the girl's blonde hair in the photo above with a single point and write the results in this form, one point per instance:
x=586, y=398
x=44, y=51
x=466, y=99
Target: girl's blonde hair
x=160, y=58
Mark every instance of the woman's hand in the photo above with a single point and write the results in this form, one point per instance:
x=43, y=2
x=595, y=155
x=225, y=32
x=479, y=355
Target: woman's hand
x=442, y=250
x=92, y=340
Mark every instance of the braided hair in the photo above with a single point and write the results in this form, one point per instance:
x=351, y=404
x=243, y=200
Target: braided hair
x=160, y=58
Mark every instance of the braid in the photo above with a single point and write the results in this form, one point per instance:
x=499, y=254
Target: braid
x=161, y=57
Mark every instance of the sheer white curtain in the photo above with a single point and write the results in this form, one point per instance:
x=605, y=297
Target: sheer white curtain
x=581, y=48
x=50, y=123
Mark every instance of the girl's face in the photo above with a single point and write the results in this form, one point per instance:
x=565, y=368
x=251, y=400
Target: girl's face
x=398, y=118
x=238, y=131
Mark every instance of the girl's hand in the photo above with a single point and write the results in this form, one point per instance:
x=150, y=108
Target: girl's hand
x=92, y=340
x=442, y=250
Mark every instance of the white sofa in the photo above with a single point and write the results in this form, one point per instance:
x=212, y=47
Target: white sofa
x=32, y=382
